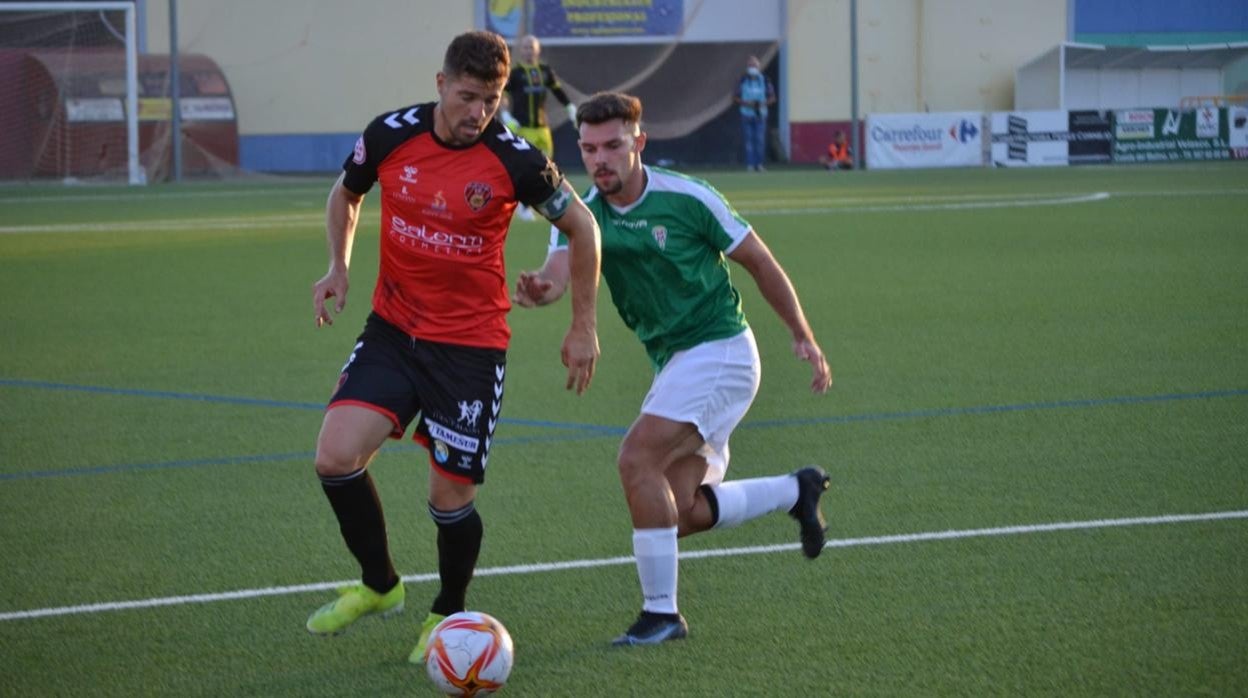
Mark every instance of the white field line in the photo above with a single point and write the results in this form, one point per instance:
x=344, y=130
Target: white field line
x=949, y=206
x=131, y=195
x=306, y=219
x=537, y=568
x=173, y=224
x=884, y=204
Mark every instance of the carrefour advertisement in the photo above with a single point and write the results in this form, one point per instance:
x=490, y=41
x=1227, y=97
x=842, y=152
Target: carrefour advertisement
x=1053, y=138
x=1167, y=135
x=947, y=139
x=587, y=19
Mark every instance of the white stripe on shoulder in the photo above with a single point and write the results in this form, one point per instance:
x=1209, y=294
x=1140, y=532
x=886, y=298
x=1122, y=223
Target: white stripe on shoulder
x=733, y=224
x=555, y=233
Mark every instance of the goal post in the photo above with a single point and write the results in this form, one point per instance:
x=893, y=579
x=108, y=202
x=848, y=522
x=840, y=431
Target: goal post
x=59, y=101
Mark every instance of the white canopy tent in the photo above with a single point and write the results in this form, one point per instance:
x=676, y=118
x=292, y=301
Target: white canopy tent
x=1091, y=76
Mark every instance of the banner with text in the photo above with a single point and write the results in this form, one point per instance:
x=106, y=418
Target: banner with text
x=1167, y=135
x=948, y=139
x=1050, y=138
x=587, y=19
x=1237, y=125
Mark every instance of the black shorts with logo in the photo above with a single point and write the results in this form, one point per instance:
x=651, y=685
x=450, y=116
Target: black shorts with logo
x=456, y=391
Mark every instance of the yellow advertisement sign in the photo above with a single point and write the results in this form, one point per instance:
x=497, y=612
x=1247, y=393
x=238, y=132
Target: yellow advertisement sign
x=155, y=109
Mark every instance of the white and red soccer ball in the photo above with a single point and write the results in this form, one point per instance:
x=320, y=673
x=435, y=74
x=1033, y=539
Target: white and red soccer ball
x=470, y=654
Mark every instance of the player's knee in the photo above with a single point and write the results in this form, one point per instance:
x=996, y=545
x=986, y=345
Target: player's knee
x=450, y=496
x=635, y=466
x=332, y=460
x=628, y=472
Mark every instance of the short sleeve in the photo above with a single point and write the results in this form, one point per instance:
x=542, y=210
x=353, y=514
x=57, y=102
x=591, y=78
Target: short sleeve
x=541, y=186
x=724, y=227
x=558, y=241
x=360, y=167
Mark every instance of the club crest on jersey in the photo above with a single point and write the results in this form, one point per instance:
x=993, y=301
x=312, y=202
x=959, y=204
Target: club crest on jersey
x=440, y=452
x=478, y=194
x=360, y=156
x=660, y=236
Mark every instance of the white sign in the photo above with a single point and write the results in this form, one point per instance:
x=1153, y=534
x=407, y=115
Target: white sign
x=1133, y=123
x=1207, y=122
x=94, y=109
x=948, y=139
x=1237, y=124
x=1030, y=138
x=206, y=108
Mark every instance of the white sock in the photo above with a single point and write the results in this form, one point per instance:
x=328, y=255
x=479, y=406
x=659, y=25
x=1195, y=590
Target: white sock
x=742, y=500
x=655, y=549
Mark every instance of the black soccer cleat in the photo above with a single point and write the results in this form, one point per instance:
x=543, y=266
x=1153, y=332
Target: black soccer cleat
x=653, y=628
x=812, y=482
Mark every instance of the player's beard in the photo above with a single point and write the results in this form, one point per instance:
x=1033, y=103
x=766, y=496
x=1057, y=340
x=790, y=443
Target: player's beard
x=467, y=132
x=610, y=184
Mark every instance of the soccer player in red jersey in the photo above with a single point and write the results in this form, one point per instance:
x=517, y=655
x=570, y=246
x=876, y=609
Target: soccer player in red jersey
x=433, y=350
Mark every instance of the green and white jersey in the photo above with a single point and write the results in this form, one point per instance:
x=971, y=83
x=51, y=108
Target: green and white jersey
x=663, y=260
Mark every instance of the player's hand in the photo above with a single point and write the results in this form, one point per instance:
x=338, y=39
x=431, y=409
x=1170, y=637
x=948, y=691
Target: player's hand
x=333, y=285
x=807, y=350
x=531, y=289
x=580, y=355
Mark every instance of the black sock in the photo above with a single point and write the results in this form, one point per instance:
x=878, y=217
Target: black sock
x=712, y=501
x=459, y=543
x=363, y=526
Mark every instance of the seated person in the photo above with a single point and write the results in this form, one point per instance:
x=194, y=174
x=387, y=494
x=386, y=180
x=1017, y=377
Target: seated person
x=839, y=156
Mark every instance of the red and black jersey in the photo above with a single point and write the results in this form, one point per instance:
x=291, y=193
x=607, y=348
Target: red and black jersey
x=445, y=211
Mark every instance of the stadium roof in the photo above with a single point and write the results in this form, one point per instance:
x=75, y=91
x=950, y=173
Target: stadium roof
x=1097, y=56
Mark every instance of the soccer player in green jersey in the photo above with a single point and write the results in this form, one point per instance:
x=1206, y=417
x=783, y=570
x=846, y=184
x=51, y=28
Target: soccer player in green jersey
x=666, y=239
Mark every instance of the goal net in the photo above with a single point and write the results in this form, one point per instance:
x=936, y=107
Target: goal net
x=69, y=107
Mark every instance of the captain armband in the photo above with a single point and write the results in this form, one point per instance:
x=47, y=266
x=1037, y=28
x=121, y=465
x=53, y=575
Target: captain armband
x=557, y=205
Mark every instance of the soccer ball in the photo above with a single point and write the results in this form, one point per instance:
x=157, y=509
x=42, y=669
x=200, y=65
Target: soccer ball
x=470, y=654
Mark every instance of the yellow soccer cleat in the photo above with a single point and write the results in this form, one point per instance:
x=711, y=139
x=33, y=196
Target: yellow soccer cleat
x=426, y=629
x=355, y=602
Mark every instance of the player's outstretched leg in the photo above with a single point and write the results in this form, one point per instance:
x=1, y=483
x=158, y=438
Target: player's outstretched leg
x=812, y=482
x=653, y=628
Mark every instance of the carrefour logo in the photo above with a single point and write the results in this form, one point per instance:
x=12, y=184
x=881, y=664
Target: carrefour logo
x=913, y=134
x=963, y=131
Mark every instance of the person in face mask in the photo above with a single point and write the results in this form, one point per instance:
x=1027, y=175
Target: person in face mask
x=753, y=95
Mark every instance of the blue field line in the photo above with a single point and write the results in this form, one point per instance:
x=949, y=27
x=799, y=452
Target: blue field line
x=257, y=402
x=259, y=458
x=993, y=409
x=590, y=431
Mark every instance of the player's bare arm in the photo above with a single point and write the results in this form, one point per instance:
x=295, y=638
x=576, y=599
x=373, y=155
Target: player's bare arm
x=546, y=285
x=342, y=214
x=580, y=346
x=775, y=286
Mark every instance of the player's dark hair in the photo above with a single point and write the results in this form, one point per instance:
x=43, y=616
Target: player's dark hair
x=605, y=106
x=481, y=55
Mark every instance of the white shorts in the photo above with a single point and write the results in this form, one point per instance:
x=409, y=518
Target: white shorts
x=710, y=386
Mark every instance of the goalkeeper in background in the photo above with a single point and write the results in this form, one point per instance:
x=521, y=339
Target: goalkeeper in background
x=527, y=85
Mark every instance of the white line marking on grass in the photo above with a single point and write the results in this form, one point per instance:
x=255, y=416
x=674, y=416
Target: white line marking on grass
x=613, y=561
x=130, y=195
x=172, y=224
x=899, y=204
x=949, y=206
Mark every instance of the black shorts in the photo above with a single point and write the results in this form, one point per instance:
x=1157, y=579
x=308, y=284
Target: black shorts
x=456, y=391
